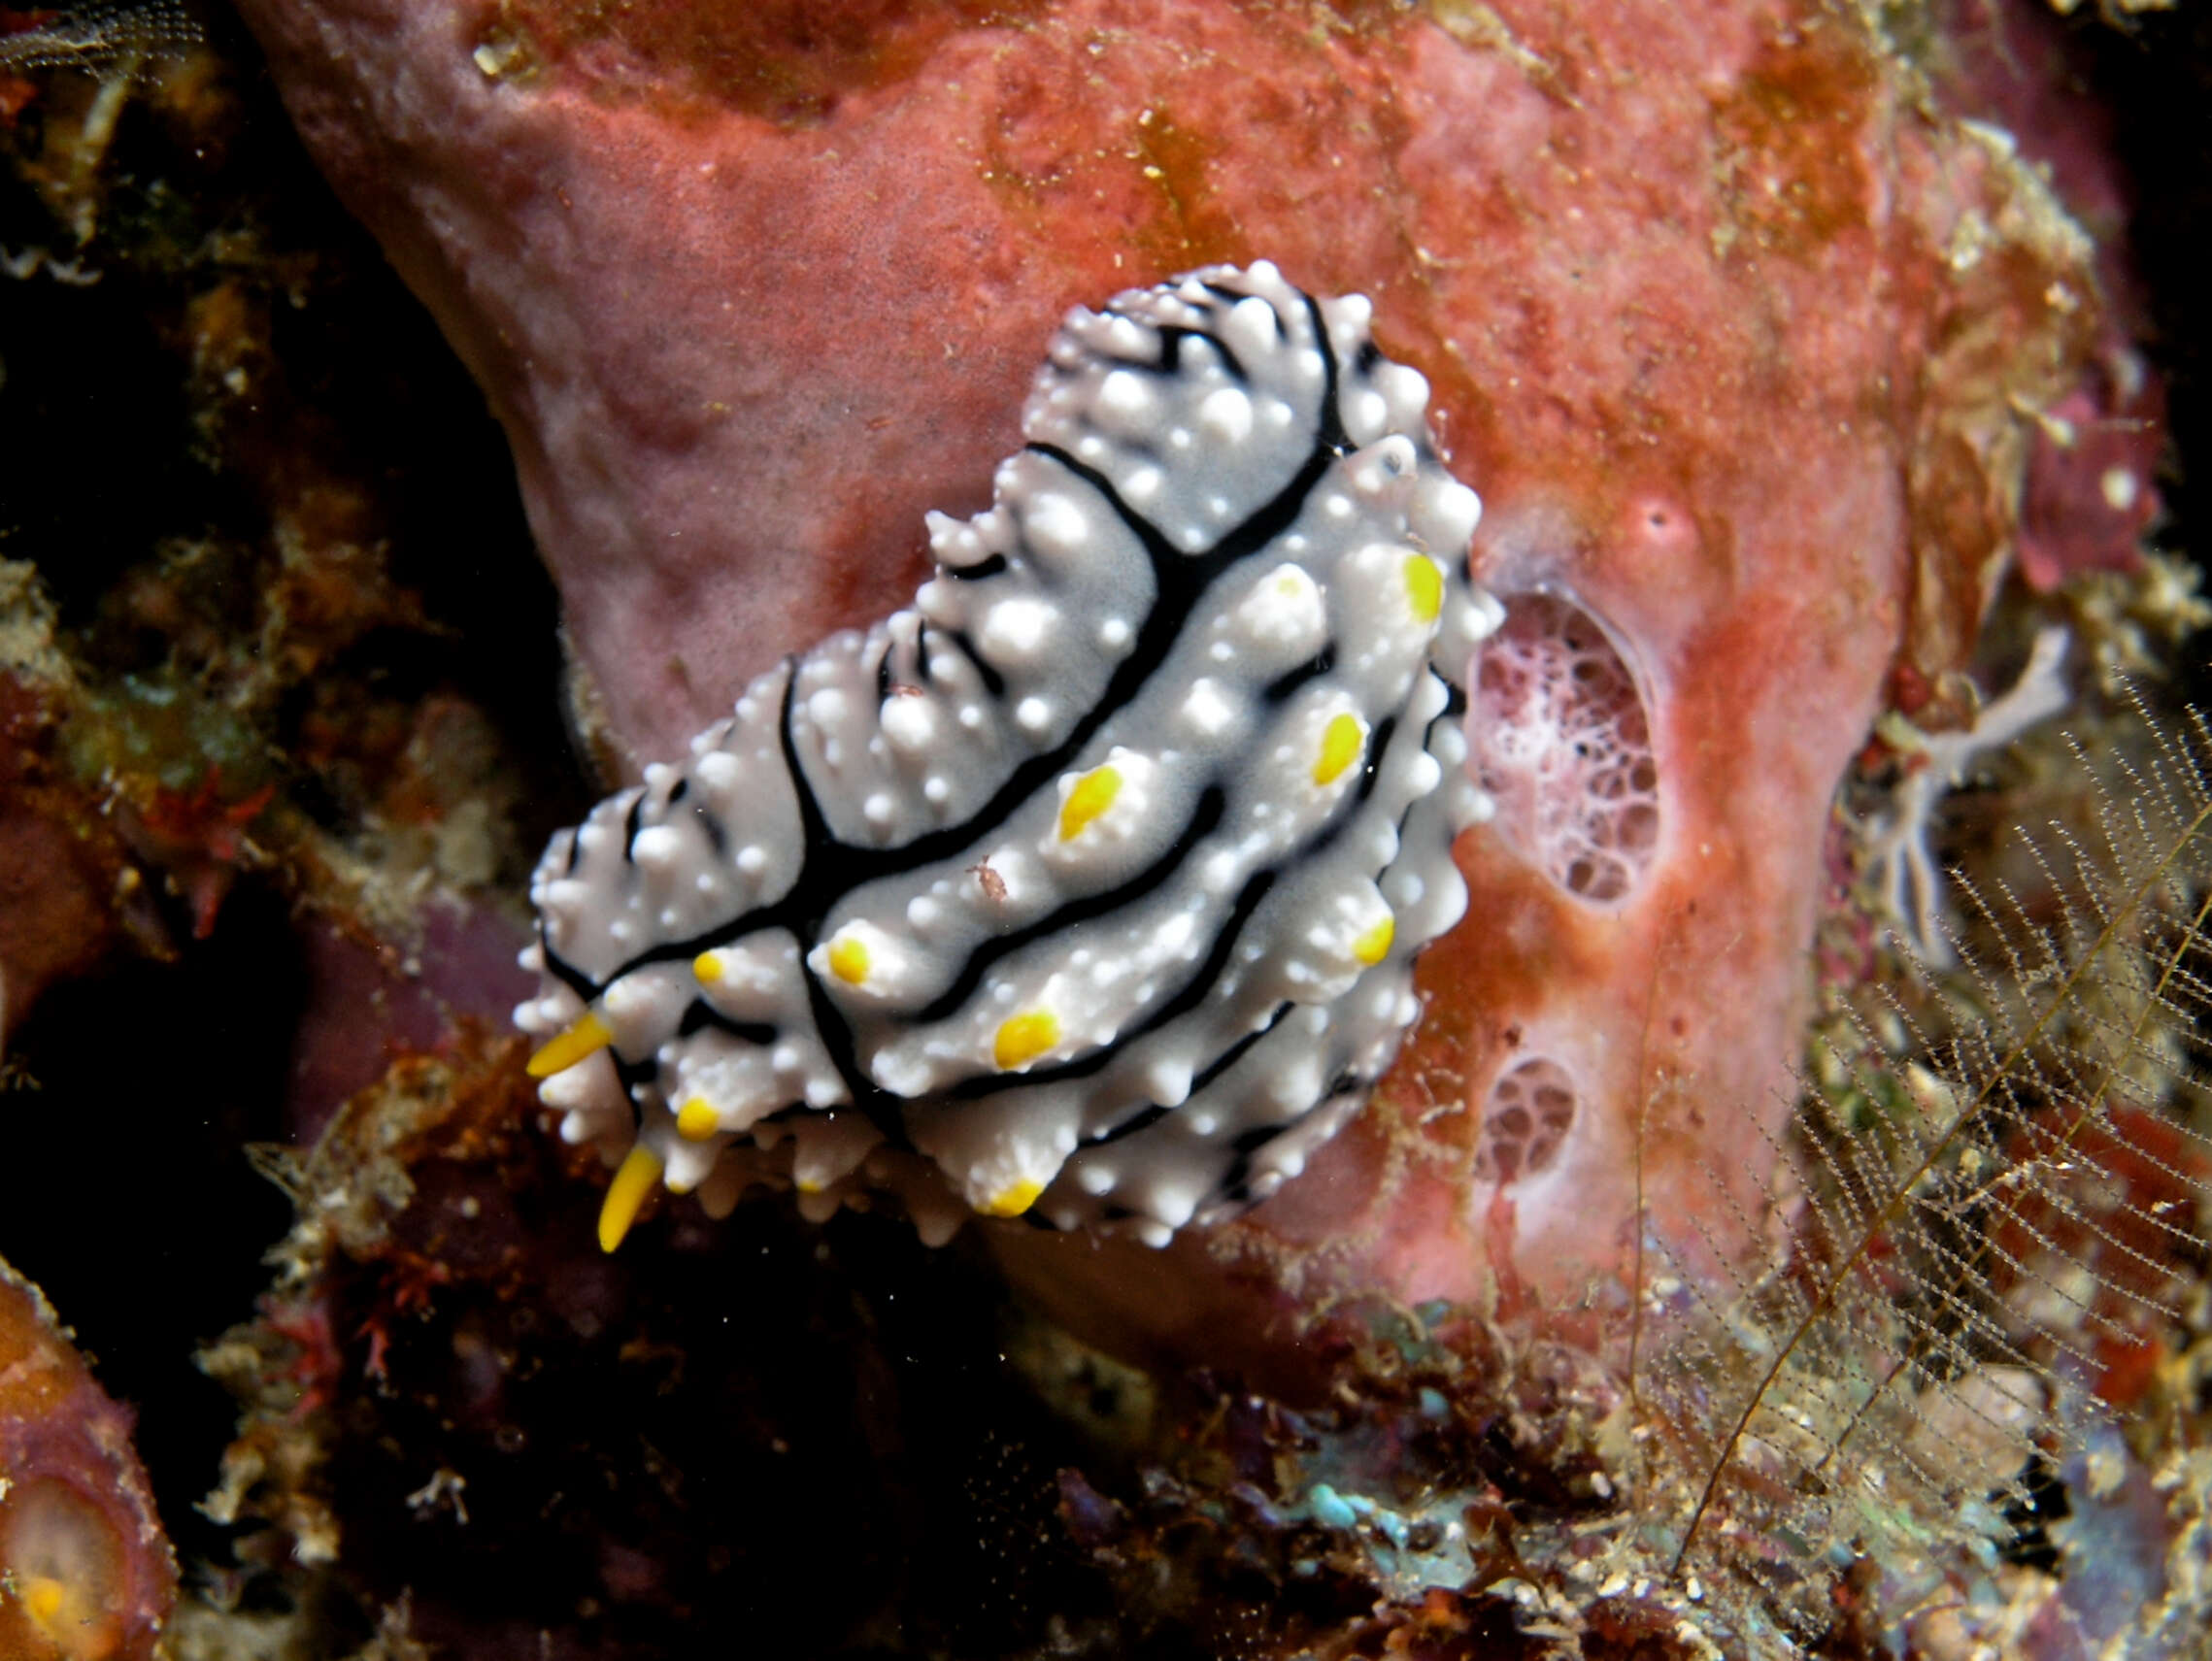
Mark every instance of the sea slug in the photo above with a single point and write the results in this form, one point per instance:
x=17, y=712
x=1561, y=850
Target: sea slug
x=1092, y=882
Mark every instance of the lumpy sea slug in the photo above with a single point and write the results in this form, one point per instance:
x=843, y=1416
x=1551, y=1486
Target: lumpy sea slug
x=1095, y=878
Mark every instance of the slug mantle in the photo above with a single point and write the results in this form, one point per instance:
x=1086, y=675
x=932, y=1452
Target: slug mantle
x=1092, y=884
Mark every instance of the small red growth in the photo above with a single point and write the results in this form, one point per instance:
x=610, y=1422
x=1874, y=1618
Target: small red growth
x=199, y=837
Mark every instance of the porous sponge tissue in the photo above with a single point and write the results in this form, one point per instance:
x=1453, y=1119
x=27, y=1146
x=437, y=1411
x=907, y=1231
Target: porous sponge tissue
x=1087, y=888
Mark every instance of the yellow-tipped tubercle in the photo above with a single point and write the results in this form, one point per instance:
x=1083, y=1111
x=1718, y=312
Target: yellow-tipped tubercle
x=585, y=1035
x=696, y=1120
x=1424, y=586
x=849, y=959
x=1372, y=947
x=1092, y=795
x=1014, y=1199
x=1341, y=743
x=707, y=968
x=625, y=1194
x=1024, y=1036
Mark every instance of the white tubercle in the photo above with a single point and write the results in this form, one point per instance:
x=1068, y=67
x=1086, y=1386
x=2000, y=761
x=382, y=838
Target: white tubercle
x=1088, y=889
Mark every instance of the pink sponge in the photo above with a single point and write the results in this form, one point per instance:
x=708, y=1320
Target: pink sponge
x=1558, y=734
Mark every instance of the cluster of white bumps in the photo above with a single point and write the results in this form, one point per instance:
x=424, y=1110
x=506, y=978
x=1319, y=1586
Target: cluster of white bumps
x=1087, y=888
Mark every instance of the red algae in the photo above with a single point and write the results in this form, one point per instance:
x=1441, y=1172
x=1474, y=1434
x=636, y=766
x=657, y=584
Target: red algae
x=86, y=1571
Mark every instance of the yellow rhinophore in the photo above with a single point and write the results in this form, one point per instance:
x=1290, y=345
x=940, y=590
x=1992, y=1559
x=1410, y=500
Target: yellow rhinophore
x=1024, y=1036
x=1424, y=586
x=1341, y=743
x=1372, y=947
x=640, y=1170
x=1014, y=1199
x=587, y=1035
x=1092, y=795
x=696, y=1120
x=849, y=959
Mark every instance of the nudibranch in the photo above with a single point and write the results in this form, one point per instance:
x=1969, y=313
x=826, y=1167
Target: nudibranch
x=1087, y=890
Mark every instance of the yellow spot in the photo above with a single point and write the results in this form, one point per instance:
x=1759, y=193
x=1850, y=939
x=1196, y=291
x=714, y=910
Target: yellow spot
x=849, y=959
x=1374, y=945
x=1424, y=586
x=1024, y=1036
x=42, y=1600
x=1341, y=743
x=1014, y=1199
x=1092, y=795
x=696, y=1120
x=640, y=1170
x=707, y=968
x=587, y=1035
x=806, y=1185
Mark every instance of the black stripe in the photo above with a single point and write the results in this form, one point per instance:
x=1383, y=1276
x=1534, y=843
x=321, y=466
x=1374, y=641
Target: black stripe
x=1192, y=994
x=1092, y=1062
x=701, y=1013
x=1211, y=803
x=1290, y=680
x=993, y=683
x=717, y=837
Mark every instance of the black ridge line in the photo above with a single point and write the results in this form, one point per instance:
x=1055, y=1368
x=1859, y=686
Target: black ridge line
x=1229, y=297
x=883, y=675
x=991, y=566
x=1195, y=989
x=1290, y=680
x=1212, y=802
x=1170, y=359
x=1234, y=1186
x=1153, y=1113
x=630, y=822
x=884, y=1110
x=680, y=789
x=993, y=683
x=701, y=1013
x=813, y=825
x=717, y=837
x=561, y=969
x=1230, y=1056
x=1143, y=1118
x=1192, y=994
x=1179, y=582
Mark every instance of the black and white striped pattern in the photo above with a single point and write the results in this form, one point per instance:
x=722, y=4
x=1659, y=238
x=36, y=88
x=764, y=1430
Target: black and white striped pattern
x=1089, y=887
